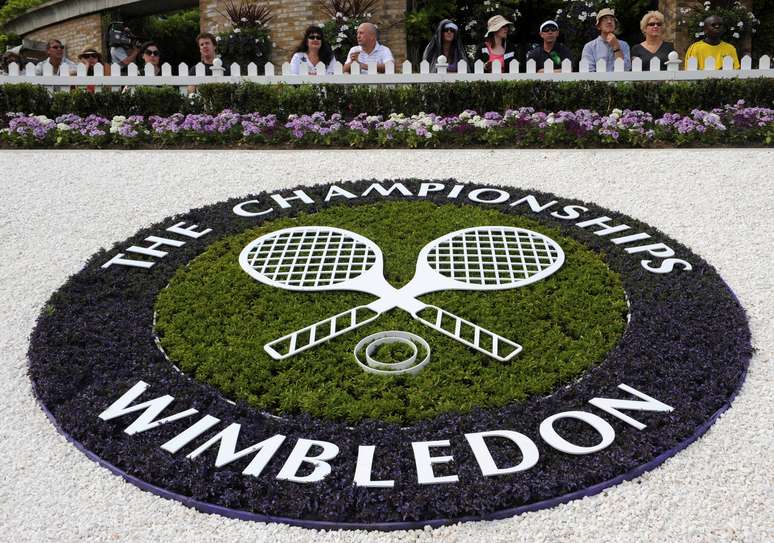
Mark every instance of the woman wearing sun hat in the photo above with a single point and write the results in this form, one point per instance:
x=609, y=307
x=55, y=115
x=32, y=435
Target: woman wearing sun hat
x=446, y=42
x=91, y=57
x=496, y=46
x=607, y=46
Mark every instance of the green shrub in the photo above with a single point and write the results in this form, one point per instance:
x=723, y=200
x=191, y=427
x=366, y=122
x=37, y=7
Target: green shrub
x=448, y=98
x=214, y=320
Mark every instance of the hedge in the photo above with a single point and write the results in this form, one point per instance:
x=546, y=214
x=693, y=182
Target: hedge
x=350, y=100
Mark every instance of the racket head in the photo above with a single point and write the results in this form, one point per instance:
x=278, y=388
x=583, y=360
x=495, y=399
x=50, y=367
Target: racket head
x=487, y=258
x=312, y=258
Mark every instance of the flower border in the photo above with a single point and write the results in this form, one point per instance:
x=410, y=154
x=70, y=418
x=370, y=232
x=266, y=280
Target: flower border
x=688, y=344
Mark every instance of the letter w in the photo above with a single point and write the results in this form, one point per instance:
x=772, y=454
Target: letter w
x=152, y=409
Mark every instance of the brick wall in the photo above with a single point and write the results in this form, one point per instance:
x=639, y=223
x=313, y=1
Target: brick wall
x=76, y=34
x=291, y=17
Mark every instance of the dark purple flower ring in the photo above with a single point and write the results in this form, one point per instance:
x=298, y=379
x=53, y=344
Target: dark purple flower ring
x=687, y=346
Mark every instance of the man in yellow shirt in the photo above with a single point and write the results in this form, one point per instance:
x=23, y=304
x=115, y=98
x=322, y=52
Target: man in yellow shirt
x=712, y=46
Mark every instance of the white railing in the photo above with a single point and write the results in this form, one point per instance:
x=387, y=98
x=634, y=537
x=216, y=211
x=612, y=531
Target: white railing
x=672, y=71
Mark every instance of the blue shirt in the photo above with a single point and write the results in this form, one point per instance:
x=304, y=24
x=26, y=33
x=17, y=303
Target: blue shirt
x=598, y=48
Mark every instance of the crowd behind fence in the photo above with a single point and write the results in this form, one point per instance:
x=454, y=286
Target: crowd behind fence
x=671, y=71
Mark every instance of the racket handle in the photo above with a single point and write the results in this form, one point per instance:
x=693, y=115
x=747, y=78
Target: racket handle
x=468, y=333
x=319, y=332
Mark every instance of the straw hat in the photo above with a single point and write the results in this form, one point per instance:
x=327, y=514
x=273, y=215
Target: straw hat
x=496, y=23
x=605, y=12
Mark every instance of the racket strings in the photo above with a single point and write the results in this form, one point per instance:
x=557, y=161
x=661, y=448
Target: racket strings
x=310, y=258
x=494, y=256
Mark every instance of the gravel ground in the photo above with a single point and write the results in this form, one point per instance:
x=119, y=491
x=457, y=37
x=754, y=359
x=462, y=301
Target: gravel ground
x=64, y=205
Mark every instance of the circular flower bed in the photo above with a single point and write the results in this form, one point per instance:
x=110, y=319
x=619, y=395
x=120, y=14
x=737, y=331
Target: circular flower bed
x=687, y=345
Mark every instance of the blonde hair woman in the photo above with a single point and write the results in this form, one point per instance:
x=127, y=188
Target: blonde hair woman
x=654, y=46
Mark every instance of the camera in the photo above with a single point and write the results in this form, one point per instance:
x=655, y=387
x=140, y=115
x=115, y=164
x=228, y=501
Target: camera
x=120, y=36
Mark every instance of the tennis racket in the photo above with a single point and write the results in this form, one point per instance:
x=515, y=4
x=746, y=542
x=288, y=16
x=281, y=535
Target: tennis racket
x=327, y=258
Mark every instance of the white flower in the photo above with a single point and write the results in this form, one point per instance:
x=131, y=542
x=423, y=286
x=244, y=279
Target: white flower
x=243, y=19
x=63, y=126
x=616, y=113
x=343, y=28
x=740, y=24
x=735, y=35
x=701, y=23
x=559, y=12
x=237, y=31
x=217, y=38
x=338, y=14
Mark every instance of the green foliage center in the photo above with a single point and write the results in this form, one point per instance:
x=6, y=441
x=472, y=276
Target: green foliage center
x=214, y=320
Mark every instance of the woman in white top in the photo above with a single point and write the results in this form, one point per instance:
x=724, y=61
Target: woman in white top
x=312, y=50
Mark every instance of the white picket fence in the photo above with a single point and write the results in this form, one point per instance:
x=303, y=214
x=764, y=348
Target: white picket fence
x=671, y=72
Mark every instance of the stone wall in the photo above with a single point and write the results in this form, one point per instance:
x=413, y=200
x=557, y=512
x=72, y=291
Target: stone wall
x=291, y=17
x=76, y=34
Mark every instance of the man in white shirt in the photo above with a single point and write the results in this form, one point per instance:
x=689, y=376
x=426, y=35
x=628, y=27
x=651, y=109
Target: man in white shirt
x=56, y=59
x=368, y=51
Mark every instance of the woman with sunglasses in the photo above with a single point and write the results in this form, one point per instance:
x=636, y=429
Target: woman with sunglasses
x=446, y=42
x=151, y=55
x=654, y=46
x=312, y=50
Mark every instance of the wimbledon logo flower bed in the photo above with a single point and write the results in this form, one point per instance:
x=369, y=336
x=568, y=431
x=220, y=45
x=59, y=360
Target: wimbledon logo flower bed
x=524, y=127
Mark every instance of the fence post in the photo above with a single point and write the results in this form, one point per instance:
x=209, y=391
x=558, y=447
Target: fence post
x=441, y=65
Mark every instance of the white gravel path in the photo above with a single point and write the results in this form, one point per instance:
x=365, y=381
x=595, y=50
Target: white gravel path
x=59, y=207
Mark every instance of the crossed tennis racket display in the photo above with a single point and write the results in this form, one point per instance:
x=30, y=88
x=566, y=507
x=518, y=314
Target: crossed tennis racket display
x=321, y=258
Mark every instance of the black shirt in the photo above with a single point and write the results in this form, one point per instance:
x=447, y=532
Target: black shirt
x=207, y=69
x=662, y=54
x=557, y=54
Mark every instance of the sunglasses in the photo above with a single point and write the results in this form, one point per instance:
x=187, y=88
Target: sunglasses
x=152, y=52
x=314, y=37
x=550, y=29
x=655, y=24
x=449, y=29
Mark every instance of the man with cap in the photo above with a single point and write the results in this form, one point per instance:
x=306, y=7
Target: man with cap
x=607, y=46
x=496, y=45
x=550, y=50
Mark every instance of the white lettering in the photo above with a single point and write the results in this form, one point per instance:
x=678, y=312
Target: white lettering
x=300, y=456
x=189, y=232
x=666, y=266
x=659, y=250
x=425, y=188
x=184, y=438
x=612, y=405
x=533, y=203
x=602, y=221
x=550, y=436
x=529, y=451
x=500, y=196
x=152, y=409
x=336, y=191
x=364, y=467
x=155, y=243
x=119, y=259
x=227, y=452
x=570, y=212
x=299, y=195
x=455, y=191
x=630, y=238
x=386, y=192
x=424, y=462
x=240, y=210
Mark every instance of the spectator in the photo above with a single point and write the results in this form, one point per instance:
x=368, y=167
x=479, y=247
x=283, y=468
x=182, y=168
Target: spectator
x=496, y=46
x=207, y=49
x=312, y=50
x=446, y=42
x=151, y=56
x=121, y=56
x=654, y=46
x=550, y=50
x=90, y=58
x=607, y=46
x=8, y=58
x=368, y=50
x=56, y=59
x=712, y=46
